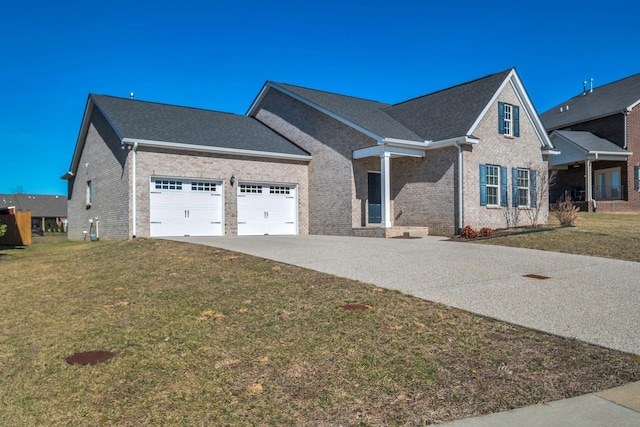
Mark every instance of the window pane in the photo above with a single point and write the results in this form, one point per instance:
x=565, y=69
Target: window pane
x=523, y=187
x=493, y=180
x=492, y=195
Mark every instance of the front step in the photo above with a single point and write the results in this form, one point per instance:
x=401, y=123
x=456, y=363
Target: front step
x=391, y=232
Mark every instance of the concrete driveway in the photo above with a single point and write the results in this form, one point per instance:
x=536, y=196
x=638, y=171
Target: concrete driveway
x=592, y=299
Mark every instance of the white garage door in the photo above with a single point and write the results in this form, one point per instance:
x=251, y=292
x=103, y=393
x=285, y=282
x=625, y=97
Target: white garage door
x=185, y=208
x=267, y=209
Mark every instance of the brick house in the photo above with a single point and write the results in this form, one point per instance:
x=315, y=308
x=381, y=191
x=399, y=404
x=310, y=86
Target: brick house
x=48, y=212
x=598, y=134
x=307, y=161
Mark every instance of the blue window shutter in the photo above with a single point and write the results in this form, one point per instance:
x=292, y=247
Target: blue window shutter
x=516, y=120
x=534, y=189
x=514, y=186
x=503, y=186
x=483, y=185
x=636, y=178
x=501, y=118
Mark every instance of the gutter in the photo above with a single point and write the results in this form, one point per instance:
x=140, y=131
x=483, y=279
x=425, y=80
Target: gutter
x=214, y=150
x=453, y=142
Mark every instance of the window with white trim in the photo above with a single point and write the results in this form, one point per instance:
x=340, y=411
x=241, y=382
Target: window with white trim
x=508, y=119
x=248, y=188
x=493, y=185
x=523, y=187
x=278, y=189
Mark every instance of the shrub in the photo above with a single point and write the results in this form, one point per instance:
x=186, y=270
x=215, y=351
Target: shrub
x=566, y=213
x=468, y=233
x=3, y=229
x=486, y=232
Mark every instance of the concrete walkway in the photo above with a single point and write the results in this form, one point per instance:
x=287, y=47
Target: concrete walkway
x=592, y=299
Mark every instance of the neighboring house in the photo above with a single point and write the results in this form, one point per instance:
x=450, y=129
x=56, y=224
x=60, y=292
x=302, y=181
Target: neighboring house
x=306, y=161
x=48, y=212
x=598, y=134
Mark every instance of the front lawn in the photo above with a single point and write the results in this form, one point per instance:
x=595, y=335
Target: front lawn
x=208, y=337
x=609, y=235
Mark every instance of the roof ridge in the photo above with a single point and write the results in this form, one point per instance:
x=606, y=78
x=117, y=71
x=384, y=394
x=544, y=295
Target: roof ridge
x=92, y=95
x=455, y=86
x=328, y=92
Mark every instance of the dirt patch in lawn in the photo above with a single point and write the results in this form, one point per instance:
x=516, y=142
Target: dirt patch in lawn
x=90, y=357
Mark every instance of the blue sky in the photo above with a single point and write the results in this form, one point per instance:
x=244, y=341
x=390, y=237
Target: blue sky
x=217, y=55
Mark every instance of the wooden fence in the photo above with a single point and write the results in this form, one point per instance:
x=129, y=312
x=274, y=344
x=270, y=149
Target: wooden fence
x=18, y=229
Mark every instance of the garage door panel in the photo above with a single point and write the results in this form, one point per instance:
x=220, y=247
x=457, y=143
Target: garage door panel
x=190, y=208
x=267, y=209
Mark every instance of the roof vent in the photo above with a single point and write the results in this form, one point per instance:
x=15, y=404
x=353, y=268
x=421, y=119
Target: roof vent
x=584, y=87
x=131, y=94
x=591, y=90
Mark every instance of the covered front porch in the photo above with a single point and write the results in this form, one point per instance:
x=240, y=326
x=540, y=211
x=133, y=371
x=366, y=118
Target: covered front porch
x=397, y=183
x=590, y=171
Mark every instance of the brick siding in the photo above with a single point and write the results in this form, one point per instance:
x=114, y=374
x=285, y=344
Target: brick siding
x=612, y=129
x=496, y=149
x=110, y=170
x=335, y=204
x=213, y=167
x=105, y=164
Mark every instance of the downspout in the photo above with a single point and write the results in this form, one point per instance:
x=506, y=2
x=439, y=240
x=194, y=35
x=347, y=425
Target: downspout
x=133, y=189
x=459, y=185
x=626, y=113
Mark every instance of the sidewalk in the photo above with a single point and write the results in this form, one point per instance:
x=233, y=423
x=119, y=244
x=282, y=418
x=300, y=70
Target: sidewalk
x=618, y=407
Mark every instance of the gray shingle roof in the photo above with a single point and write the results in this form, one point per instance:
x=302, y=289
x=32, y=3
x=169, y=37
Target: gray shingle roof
x=590, y=142
x=603, y=101
x=448, y=113
x=445, y=114
x=365, y=113
x=184, y=125
x=40, y=205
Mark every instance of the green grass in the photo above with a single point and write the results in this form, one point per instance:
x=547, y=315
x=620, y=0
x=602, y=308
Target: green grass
x=609, y=235
x=208, y=337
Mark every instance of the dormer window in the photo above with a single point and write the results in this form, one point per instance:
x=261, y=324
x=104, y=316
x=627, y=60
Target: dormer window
x=508, y=119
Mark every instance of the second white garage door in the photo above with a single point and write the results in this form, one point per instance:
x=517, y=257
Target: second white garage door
x=267, y=209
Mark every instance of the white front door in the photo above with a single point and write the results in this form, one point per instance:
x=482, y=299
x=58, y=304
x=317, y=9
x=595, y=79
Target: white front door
x=267, y=209
x=184, y=207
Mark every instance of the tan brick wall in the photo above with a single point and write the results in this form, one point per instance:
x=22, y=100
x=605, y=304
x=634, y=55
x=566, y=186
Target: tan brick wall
x=517, y=152
x=424, y=191
x=105, y=164
x=335, y=204
x=110, y=170
x=212, y=167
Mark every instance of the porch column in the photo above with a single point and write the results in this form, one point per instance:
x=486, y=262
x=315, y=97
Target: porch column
x=385, y=188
